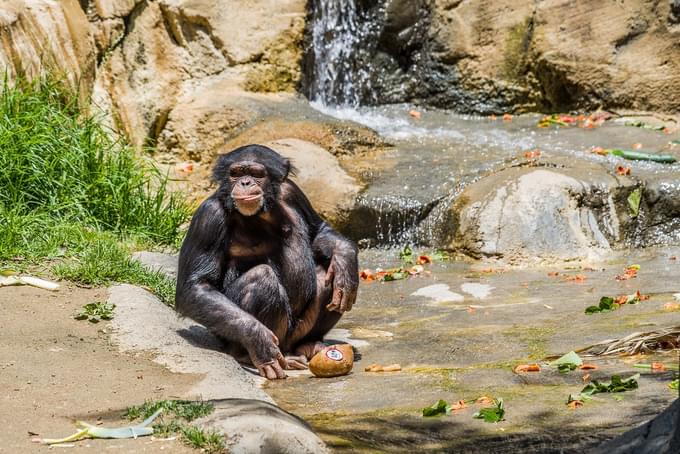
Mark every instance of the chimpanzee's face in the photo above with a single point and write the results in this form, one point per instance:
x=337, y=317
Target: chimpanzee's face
x=249, y=182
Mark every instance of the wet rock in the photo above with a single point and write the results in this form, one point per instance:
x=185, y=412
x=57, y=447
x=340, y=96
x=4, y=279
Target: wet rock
x=40, y=34
x=520, y=214
x=256, y=426
x=661, y=434
x=328, y=187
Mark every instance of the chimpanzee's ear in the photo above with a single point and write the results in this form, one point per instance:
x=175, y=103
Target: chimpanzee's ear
x=290, y=169
x=221, y=169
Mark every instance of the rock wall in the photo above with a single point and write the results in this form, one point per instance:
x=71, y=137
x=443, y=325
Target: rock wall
x=40, y=34
x=518, y=55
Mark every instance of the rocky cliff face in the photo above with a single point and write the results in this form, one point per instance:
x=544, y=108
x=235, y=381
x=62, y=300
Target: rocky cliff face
x=519, y=55
x=170, y=72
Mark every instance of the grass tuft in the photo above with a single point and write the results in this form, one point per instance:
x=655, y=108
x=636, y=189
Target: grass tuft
x=174, y=419
x=209, y=441
x=71, y=191
x=58, y=162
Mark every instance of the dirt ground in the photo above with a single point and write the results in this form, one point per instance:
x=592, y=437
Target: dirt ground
x=55, y=369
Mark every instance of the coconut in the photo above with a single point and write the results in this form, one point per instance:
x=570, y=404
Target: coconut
x=332, y=361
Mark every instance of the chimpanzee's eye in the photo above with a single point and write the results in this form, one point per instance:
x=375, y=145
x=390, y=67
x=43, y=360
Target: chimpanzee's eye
x=258, y=173
x=236, y=172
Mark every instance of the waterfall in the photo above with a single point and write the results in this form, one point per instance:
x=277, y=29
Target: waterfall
x=343, y=37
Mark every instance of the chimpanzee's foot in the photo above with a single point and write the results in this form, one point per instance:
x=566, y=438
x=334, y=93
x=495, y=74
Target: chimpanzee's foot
x=296, y=362
x=309, y=349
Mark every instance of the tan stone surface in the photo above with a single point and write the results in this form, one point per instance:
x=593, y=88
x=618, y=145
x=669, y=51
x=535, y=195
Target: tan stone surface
x=40, y=34
x=329, y=188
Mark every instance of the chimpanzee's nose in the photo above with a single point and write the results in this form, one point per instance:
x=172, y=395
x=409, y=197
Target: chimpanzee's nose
x=246, y=182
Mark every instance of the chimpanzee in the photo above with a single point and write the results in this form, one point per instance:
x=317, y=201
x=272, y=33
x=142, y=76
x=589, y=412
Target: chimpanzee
x=259, y=267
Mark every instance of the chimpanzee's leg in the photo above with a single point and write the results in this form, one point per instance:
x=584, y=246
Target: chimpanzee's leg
x=316, y=321
x=260, y=293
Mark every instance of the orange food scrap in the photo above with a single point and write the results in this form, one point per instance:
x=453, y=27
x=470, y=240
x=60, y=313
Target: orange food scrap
x=532, y=154
x=622, y=170
x=659, y=367
x=621, y=300
x=527, y=368
x=492, y=117
x=599, y=150
x=414, y=113
x=587, y=366
x=507, y=117
x=186, y=167
x=423, y=260
x=637, y=146
x=574, y=404
x=459, y=405
x=586, y=377
x=578, y=278
x=629, y=273
x=471, y=310
x=484, y=400
x=672, y=257
x=671, y=306
x=553, y=274
x=366, y=275
x=379, y=368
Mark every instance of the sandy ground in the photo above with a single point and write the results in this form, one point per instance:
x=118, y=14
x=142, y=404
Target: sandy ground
x=54, y=370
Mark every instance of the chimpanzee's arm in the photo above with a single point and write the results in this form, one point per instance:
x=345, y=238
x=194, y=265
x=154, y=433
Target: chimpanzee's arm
x=335, y=252
x=198, y=297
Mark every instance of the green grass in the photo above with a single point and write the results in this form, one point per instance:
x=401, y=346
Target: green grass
x=209, y=441
x=71, y=191
x=175, y=418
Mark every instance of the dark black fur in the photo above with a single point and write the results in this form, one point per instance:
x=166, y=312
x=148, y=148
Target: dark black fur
x=274, y=279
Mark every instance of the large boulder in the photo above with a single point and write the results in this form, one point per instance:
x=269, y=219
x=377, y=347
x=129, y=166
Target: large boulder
x=546, y=214
x=329, y=188
x=37, y=35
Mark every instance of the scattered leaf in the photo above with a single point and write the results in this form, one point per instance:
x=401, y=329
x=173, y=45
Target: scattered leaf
x=441, y=407
x=616, y=385
x=634, y=202
x=86, y=430
x=675, y=384
x=95, y=312
x=527, y=368
x=642, y=156
x=406, y=254
x=492, y=414
x=567, y=362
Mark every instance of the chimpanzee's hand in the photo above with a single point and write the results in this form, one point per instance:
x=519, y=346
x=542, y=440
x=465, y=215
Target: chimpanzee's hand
x=343, y=275
x=265, y=354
